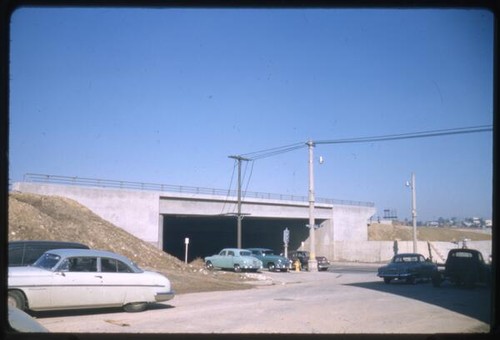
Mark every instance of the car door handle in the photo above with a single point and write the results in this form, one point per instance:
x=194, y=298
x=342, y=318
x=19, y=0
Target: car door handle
x=99, y=276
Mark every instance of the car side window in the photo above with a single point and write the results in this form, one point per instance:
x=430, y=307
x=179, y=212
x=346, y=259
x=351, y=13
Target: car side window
x=230, y=253
x=222, y=253
x=82, y=264
x=108, y=265
x=114, y=266
x=16, y=256
x=122, y=267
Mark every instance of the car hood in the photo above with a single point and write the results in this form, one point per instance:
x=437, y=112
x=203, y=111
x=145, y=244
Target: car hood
x=28, y=270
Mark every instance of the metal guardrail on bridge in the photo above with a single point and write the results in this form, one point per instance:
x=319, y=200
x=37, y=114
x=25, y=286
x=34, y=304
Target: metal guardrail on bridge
x=107, y=183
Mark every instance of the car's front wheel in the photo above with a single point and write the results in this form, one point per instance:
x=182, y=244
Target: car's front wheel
x=387, y=280
x=135, y=307
x=16, y=299
x=271, y=267
x=209, y=265
x=237, y=268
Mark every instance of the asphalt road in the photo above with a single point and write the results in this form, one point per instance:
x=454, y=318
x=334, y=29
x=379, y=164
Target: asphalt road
x=337, y=301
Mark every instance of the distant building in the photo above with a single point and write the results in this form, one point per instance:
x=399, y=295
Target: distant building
x=390, y=214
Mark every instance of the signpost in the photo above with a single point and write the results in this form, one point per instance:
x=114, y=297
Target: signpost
x=186, y=242
x=286, y=239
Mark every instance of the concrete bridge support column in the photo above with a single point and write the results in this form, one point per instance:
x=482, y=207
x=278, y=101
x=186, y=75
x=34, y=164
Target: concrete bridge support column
x=160, y=232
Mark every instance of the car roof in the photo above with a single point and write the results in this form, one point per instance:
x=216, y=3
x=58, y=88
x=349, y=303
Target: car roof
x=464, y=250
x=409, y=254
x=261, y=249
x=87, y=252
x=47, y=242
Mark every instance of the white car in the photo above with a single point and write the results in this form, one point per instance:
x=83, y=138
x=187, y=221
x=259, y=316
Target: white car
x=85, y=278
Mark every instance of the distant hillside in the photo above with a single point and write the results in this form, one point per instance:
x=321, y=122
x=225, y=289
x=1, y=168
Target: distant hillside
x=383, y=232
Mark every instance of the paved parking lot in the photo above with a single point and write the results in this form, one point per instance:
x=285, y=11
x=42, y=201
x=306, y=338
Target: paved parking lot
x=299, y=302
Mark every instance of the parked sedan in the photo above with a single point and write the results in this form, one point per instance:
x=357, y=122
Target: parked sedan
x=323, y=263
x=303, y=257
x=84, y=278
x=233, y=258
x=409, y=267
x=270, y=260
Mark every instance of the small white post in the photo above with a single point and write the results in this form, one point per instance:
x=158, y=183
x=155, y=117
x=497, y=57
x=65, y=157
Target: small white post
x=186, y=242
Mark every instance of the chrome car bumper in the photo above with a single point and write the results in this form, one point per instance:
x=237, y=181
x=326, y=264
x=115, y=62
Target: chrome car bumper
x=283, y=266
x=251, y=267
x=394, y=275
x=164, y=296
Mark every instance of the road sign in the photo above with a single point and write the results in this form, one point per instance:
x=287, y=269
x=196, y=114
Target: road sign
x=286, y=236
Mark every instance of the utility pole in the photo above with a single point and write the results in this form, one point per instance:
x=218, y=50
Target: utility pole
x=411, y=184
x=239, y=215
x=312, y=263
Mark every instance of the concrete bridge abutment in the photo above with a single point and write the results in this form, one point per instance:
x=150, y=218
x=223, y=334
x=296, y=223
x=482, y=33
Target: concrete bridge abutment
x=164, y=219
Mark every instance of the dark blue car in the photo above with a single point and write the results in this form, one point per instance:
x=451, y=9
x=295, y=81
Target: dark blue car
x=409, y=267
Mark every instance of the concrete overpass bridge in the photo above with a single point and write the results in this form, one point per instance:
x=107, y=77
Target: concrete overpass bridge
x=165, y=215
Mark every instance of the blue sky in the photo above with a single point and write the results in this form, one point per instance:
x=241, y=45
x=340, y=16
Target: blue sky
x=165, y=96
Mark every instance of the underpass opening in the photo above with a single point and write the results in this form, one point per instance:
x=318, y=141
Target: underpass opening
x=209, y=234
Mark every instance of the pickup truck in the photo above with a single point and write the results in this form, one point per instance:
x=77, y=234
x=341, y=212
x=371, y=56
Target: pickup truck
x=463, y=267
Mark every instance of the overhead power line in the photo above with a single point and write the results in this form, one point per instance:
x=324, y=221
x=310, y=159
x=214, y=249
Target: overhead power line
x=410, y=135
x=273, y=151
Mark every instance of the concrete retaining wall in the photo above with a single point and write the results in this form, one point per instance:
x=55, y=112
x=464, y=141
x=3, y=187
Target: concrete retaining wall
x=383, y=251
x=350, y=223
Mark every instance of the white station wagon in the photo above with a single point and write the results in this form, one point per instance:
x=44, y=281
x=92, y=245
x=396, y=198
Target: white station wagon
x=85, y=278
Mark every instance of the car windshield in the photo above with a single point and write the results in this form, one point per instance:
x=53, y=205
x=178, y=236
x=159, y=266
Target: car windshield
x=47, y=261
x=400, y=259
x=245, y=253
x=463, y=254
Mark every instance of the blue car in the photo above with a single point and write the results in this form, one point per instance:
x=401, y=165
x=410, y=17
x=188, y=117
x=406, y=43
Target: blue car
x=233, y=258
x=409, y=267
x=270, y=260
